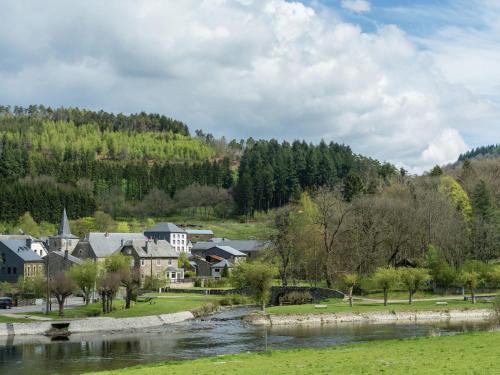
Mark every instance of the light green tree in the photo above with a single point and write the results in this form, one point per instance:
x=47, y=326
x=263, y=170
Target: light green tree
x=85, y=276
x=413, y=279
x=257, y=277
x=385, y=278
x=350, y=280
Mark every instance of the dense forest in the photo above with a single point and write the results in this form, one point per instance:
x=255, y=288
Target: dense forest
x=150, y=165
x=491, y=150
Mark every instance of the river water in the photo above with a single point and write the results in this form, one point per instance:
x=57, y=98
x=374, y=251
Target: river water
x=222, y=333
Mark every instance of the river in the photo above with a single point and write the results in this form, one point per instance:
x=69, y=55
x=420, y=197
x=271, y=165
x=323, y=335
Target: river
x=222, y=333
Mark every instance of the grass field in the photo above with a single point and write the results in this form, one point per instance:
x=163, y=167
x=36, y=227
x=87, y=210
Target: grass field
x=336, y=306
x=168, y=303
x=475, y=353
x=8, y=319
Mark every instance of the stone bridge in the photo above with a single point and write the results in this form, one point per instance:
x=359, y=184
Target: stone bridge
x=318, y=294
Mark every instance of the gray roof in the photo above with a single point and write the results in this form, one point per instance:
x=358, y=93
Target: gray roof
x=165, y=227
x=230, y=250
x=23, y=237
x=222, y=264
x=173, y=269
x=105, y=244
x=199, y=231
x=64, y=230
x=146, y=248
x=71, y=258
x=19, y=248
x=240, y=245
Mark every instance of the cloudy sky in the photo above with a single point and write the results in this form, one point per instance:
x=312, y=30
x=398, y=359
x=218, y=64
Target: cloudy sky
x=412, y=84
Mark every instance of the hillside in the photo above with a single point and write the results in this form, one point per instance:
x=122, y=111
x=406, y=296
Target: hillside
x=149, y=165
x=485, y=151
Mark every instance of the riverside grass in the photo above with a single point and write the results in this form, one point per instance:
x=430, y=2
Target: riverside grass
x=339, y=306
x=471, y=353
x=166, y=304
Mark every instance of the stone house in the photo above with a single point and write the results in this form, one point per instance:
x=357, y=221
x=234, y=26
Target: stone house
x=252, y=248
x=98, y=245
x=60, y=261
x=154, y=258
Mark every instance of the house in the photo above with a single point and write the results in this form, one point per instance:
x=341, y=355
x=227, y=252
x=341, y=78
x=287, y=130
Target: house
x=154, y=258
x=176, y=236
x=35, y=244
x=251, y=248
x=195, y=235
x=17, y=259
x=64, y=240
x=206, y=259
x=60, y=261
x=99, y=245
x=217, y=269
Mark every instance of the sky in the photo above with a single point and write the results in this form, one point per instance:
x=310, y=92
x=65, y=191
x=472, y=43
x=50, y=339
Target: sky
x=414, y=83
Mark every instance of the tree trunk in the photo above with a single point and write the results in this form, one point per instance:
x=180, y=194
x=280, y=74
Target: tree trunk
x=350, y=296
x=263, y=306
x=61, y=305
x=128, y=298
x=473, y=296
x=385, y=297
x=410, y=297
x=103, y=297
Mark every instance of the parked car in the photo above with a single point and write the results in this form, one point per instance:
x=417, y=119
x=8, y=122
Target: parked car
x=5, y=302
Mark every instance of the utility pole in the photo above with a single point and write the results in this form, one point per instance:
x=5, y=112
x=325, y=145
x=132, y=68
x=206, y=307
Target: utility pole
x=47, y=270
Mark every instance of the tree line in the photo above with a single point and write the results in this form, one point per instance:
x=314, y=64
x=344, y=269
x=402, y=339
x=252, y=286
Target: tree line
x=322, y=236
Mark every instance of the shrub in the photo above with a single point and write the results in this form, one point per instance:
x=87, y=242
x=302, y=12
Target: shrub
x=198, y=283
x=297, y=298
x=94, y=311
x=233, y=300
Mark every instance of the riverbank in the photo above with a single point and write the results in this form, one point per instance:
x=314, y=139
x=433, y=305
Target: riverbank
x=369, y=317
x=475, y=353
x=105, y=324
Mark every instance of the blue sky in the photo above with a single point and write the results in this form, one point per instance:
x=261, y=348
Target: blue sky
x=412, y=82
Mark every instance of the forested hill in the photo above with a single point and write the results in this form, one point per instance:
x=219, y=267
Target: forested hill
x=150, y=165
x=491, y=150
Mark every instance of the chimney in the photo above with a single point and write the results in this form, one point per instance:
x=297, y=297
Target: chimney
x=28, y=242
x=66, y=254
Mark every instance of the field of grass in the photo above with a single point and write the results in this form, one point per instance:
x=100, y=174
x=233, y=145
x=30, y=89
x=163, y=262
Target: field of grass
x=475, y=353
x=167, y=303
x=8, y=319
x=337, y=306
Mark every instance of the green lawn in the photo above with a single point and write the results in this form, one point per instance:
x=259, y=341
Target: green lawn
x=336, y=306
x=460, y=354
x=8, y=319
x=168, y=303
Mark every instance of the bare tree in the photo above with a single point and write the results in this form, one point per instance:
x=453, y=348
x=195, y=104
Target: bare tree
x=331, y=218
x=61, y=287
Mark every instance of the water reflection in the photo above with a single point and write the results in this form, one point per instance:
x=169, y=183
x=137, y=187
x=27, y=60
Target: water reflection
x=92, y=352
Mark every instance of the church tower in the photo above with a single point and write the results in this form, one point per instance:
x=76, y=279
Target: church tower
x=64, y=240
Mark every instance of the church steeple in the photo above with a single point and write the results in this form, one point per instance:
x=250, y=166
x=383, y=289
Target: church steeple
x=64, y=229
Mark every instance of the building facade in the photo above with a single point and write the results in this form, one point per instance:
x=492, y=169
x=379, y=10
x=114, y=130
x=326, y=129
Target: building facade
x=18, y=260
x=176, y=236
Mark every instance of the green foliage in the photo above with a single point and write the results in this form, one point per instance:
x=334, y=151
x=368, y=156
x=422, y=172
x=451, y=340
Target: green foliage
x=28, y=225
x=116, y=263
x=386, y=278
x=442, y=274
x=457, y=194
x=257, y=277
x=225, y=271
x=436, y=171
x=85, y=276
x=413, y=279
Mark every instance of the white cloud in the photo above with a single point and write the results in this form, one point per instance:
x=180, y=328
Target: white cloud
x=357, y=6
x=263, y=68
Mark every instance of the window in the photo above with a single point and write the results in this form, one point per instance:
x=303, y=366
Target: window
x=14, y=270
x=158, y=262
x=8, y=270
x=173, y=275
x=69, y=242
x=169, y=262
x=217, y=270
x=142, y=262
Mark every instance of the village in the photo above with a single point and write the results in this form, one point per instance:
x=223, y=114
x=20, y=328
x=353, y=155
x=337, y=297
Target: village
x=165, y=253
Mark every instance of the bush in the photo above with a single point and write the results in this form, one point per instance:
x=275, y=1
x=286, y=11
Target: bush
x=216, y=283
x=198, y=283
x=297, y=298
x=496, y=306
x=94, y=311
x=205, y=309
x=233, y=300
